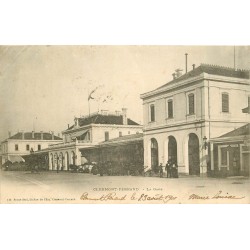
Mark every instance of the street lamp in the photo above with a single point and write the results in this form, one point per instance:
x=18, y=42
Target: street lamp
x=205, y=142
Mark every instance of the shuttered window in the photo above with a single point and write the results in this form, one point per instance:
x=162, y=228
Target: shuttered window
x=170, y=109
x=225, y=102
x=106, y=136
x=191, y=104
x=152, y=112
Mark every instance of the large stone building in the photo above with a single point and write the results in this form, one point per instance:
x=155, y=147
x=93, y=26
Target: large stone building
x=22, y=143
x=87, y=132
x=181, y=116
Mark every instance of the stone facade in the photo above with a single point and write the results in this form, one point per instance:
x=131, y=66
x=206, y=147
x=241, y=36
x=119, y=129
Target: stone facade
x=204, y=103
x=86, y=133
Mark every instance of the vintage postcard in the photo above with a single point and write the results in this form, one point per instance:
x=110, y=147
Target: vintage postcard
x=124, y=124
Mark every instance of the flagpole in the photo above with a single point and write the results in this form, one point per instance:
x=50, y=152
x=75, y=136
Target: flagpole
x=88, y=102
x=234, y=56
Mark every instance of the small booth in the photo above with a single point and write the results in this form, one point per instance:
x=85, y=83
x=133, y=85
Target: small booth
x=230, y=153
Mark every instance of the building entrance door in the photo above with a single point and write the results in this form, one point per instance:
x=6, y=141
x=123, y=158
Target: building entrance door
x=154, y=154
x=193, y=155
x=172, y=149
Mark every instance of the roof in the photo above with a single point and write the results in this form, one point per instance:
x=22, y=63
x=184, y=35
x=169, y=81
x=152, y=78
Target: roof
x=246, y=110
x=132, y=137
x=244, y=130
x=212, y=70
x=79, y=133
x=15, y=158
x=103, y=119
x=37, y=136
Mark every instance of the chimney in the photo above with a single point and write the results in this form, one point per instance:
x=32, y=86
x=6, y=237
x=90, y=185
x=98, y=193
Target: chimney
x=41, y=135
x=9, y=134
x=33, y=135
x=174, y=76
x=22, y=135
x=178, y=72
x=193, y=66
x=186, y=61
x=124, y=116
x=68, y=125
x=52, y=133
x=58, y=134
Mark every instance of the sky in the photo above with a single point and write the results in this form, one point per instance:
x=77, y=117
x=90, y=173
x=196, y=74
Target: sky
x=45, y=87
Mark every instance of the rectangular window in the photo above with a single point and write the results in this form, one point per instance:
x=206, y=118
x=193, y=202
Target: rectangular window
x=28, y=147
x=152, y=112
x=120, y=134
x=16, y=147
x=225, y=103
x=224, y=156
x=170, y=109
x=191, y=104
x=106, y=136
x=39, y=147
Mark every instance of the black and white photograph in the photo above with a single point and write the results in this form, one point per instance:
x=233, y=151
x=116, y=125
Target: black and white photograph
x=125, y=124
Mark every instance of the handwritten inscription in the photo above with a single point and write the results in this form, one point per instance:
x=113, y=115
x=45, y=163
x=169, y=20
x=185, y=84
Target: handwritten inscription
x=217, y=196
x=135, y=197
x=165, y=198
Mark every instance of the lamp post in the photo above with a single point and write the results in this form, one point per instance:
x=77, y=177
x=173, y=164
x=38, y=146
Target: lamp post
x=205, y=146
x=205, y=143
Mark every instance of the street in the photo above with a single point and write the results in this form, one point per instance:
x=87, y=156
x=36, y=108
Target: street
x=67, y=187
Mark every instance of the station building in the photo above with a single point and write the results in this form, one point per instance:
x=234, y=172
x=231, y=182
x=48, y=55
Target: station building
x=86, y=133
x=23, y=143
x=182, y=116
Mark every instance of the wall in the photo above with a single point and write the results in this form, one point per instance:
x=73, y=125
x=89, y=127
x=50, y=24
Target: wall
x=180, y=106
x=9, y=147
x=98, y=131
x=181, y=136
x=238, y=99
x=22, y=146
x=208, y=120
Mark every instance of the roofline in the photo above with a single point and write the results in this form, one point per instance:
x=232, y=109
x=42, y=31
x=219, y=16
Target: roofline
x=202, y=76
x=123, y=139
x=32, y=140
x=230, y=139
x=101, y=125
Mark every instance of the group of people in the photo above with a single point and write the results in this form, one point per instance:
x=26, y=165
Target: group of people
x=171, y=168
x=123, y=168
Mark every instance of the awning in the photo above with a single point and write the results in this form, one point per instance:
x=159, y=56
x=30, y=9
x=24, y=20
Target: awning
x=15, y=158
x=246, y=110
x=79, y=133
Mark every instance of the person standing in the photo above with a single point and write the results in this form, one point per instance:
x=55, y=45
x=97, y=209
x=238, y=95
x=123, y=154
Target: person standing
x=161, y=170
x=175, y=170
x=168, y=168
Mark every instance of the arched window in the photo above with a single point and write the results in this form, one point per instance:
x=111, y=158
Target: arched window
x=154, y=153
